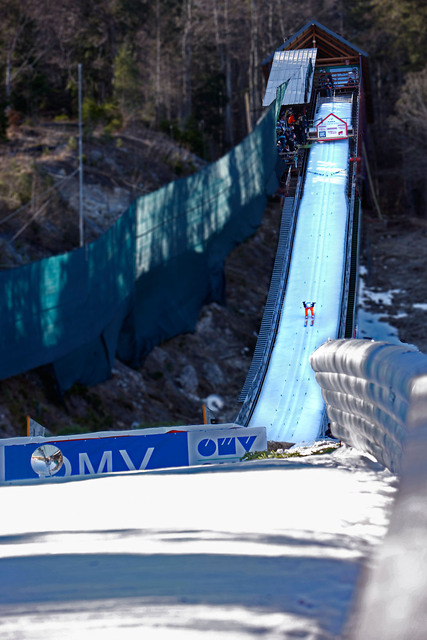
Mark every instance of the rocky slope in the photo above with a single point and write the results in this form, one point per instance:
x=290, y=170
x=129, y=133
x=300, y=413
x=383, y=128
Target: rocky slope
x=179, y=375
x=394, y=255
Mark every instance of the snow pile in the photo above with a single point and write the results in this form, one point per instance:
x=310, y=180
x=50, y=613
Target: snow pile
x=272, y=547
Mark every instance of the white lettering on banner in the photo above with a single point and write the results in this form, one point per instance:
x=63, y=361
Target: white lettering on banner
x=145, y=459
x=230, y=446
x=224, y=444
x=107, y=459
x=106, y=463
x=67, y=466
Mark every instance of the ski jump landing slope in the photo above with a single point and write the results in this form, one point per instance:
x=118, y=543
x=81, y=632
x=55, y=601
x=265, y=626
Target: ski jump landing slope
x=290, y=404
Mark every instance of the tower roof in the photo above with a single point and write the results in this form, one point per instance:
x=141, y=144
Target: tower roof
x=330, y=46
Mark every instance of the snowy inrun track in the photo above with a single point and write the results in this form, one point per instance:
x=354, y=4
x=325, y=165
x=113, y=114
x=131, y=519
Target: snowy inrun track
x=290, y=404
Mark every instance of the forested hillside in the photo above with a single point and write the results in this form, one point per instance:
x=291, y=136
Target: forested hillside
x=193, y=70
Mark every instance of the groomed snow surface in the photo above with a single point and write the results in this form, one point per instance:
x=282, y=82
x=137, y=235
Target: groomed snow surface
x=270, y=549
x=290, y=404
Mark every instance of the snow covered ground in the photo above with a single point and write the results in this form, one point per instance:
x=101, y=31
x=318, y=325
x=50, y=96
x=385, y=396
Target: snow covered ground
x=272, y=548
x=374, y=325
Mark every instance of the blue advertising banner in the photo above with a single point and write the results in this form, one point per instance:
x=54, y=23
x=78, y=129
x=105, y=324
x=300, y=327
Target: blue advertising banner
x=117, y=452
x=91, y=456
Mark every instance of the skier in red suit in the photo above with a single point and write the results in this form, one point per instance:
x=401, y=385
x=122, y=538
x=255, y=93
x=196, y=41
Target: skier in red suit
x=308, y=306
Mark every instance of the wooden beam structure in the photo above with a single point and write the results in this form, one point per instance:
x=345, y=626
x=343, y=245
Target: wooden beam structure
x=332, y=51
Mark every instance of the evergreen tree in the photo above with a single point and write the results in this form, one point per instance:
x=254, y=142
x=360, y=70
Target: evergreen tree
x=126, y=81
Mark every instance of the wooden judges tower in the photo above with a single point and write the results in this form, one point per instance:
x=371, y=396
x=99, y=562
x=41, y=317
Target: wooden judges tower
x=332, y=54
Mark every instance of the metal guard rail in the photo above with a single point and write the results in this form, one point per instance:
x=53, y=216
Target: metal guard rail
x=351, y=182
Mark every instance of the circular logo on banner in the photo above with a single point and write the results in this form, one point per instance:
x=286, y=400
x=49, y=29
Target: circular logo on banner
x=206, y=447
x=47, y=460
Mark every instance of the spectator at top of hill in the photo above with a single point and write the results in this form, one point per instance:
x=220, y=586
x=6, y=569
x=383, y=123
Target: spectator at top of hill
x=323, y=78
x=353, y=76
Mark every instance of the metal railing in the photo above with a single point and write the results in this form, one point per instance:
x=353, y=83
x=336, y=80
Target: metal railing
x=350, y=248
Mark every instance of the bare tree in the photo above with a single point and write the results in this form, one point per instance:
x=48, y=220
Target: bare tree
x=254, y=85
x=21, y=33
x=411, y=110
x=222, y=40
x=409, y=126
x=158, y=60
x=187, y=56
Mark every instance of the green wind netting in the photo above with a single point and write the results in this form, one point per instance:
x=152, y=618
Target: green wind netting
x=142, y=281
x=280, y=94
